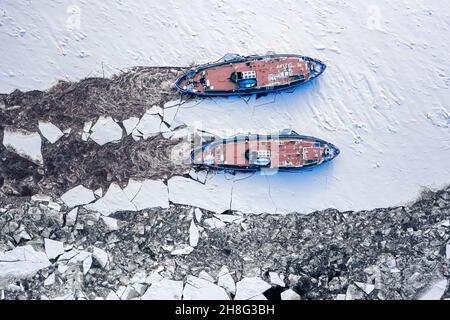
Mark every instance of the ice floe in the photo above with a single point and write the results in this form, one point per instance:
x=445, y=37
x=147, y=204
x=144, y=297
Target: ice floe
x=130, y=124
x=213, y=223
x=110, y=223
x=193, y=234
x=290, y=295
x=276, y=279
x=77, y=196
x=149, y=125
x=205, y=276
x=366, y=287
x=21, y=262
x=164, y=289
x=106, y=130
x=137, y=195
x=151, y=194
x=182, y=250
x=50, y=132
x=86, y=131
x=226, y=281
x=53, y=248
x=200, y=289
x=101, y=256
x=436, y=291
x=198, y=214
x=249, y=288
x=26, y=144
x=50, y=280
x=114, y=200
x=112, y=296
x=213, y=197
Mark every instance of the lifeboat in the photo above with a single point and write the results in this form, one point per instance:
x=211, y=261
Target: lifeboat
x=284, y=151
x=239, y=75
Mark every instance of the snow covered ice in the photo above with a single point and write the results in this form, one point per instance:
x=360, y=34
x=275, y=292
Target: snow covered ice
x=26, y=144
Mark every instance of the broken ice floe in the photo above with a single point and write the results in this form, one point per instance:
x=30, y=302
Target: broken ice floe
x=101, y=256
x=290, y=295
x=77, y=196
x=276, y=279
x=200, y=289
x=182, y=250
x=114, y=200
x=226, y=281
x=214, y=197
x=21, y=262
x=106, y=130
x=50, y=132
x=149, y=125
x=214, y=223
x=366, y=287
x=205, y=276
x=138, y=195
x=110, y=223
x=152, y=193
x=26, y=144
x=53, y=248
x=50, y=280
x=164, y=289
x=198, y=214
x=86, y=131
x=130, y=124
x=249, y=288
x=436, y=291
x=71, y=217
x=193, y=234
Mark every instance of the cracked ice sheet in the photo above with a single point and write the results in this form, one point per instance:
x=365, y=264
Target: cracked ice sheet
x=21, y=262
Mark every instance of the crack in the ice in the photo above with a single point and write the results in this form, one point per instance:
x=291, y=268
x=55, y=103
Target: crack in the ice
x=270, y=194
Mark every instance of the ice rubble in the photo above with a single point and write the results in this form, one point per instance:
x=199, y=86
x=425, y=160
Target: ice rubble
x=21, y=262
x=106, y=130
x=26, y=144
x=50, y=132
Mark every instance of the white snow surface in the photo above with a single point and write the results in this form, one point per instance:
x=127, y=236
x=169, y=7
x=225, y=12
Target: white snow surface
x=383, y=99
x=26, y=144
x=21, y=262
x=50, y=132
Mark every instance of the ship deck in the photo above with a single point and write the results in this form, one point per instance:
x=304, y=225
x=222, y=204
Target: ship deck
x=283, y=152
x=269, y=72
